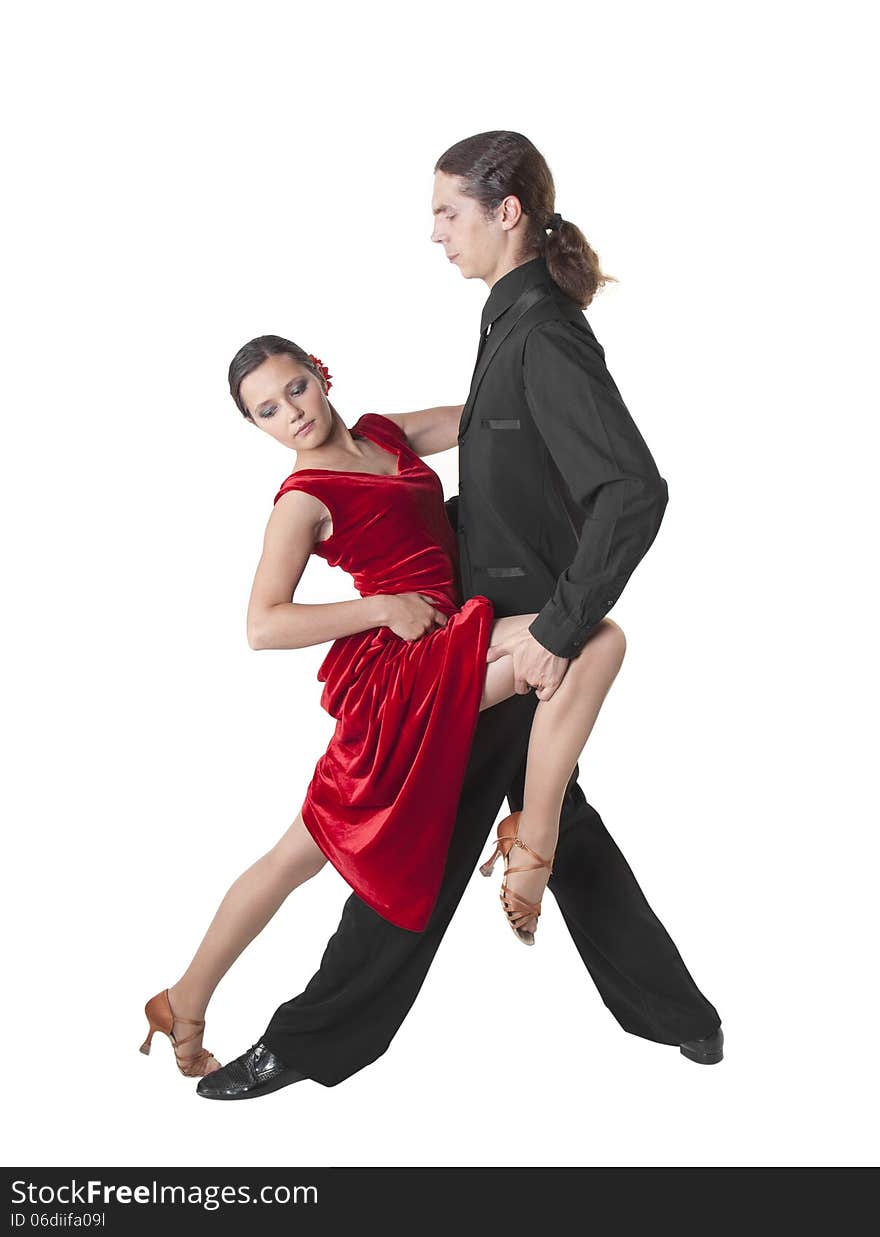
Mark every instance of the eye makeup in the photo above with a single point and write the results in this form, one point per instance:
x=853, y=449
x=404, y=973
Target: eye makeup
x=299, y=387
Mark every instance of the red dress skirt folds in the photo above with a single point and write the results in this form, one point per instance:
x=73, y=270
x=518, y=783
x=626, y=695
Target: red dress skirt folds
x=383, y=799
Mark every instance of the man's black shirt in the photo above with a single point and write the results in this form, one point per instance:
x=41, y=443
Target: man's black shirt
x=559, y=496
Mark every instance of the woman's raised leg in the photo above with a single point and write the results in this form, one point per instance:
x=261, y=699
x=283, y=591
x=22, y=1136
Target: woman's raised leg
x=560, y=729
x=247, y=907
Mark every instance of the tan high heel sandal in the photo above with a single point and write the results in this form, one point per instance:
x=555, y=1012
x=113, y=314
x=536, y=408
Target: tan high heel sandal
x=161, y=1018
x=516, y=908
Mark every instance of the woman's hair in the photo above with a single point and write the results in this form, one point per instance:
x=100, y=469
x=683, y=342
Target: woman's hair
x=498, y=163
x=254, y=353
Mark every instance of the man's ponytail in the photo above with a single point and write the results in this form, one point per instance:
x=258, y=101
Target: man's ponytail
x=573, y=263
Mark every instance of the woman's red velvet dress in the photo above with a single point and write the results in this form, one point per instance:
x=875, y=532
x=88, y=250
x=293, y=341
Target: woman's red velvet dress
x=382, y=802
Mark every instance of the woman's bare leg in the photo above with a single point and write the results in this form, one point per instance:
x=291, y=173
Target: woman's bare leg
x=249, y=904
x=560, y=729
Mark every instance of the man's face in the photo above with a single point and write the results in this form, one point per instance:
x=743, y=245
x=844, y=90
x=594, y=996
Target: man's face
x=472, y=242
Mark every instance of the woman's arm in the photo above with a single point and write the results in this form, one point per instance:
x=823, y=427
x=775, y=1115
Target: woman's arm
x=273, y=620
x=432, y=429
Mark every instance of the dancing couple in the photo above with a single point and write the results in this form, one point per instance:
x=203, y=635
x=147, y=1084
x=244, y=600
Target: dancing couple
x=473, y=665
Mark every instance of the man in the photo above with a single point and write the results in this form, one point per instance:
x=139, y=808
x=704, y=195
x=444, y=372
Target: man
x=558, y=500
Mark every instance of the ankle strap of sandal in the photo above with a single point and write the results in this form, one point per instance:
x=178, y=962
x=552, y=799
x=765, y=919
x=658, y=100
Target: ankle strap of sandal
x=542, y=862
x=186, y=1039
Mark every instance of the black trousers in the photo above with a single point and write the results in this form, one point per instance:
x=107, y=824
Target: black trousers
x=371, y=971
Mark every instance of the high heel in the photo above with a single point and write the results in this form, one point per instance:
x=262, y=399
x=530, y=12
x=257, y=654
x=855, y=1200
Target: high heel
x=516, y=908
x=161, y=1018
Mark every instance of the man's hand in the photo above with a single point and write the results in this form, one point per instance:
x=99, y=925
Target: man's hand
x=533, y=665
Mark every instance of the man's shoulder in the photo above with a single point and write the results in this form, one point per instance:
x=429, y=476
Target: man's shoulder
x=555, y=309
x=558, y=319
x=562, y=334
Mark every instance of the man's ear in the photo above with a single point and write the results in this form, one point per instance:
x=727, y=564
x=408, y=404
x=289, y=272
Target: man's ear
x=511, y=211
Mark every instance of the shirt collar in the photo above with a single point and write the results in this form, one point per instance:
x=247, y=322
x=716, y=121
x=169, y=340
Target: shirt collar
x=508, y=287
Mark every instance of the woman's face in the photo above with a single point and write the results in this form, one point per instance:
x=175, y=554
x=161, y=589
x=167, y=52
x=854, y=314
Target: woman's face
x=289, y=402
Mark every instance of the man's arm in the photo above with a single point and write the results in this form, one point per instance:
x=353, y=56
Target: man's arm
x=609, y=472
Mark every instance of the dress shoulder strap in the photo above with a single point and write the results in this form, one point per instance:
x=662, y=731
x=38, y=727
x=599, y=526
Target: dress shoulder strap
x=381, y=425
x=313, y=484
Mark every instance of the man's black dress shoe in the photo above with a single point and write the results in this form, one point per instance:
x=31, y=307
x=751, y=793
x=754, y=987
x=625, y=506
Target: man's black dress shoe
x=706, y=1051
x=256, y=1072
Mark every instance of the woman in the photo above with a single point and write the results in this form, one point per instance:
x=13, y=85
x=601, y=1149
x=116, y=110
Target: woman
x=408, y=672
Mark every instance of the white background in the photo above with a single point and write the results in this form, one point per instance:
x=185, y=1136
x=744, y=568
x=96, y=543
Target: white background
x=181, y=178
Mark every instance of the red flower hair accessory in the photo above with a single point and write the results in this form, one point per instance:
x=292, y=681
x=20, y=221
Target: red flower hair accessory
x=322, y=370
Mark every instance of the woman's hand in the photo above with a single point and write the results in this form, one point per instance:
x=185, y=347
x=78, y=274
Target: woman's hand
x=411, y=615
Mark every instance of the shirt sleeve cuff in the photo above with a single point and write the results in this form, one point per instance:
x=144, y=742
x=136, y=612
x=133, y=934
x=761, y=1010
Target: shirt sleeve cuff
x=559, y=633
